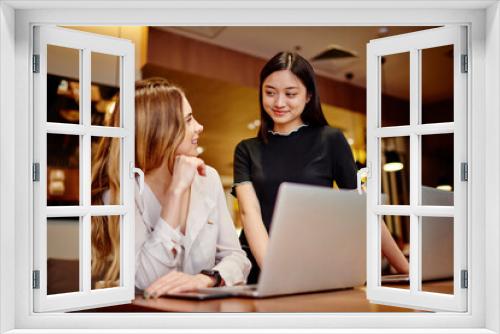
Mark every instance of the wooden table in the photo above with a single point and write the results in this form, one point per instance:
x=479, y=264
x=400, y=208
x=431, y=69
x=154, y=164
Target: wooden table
x=348, y=300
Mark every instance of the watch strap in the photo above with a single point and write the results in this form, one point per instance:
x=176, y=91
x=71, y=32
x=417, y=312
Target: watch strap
x=213, y=273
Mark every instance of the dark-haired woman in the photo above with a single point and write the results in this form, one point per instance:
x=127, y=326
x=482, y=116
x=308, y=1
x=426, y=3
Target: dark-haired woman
x=294, y=144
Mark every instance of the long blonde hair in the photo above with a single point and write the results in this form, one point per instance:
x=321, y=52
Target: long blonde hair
x=159, y=130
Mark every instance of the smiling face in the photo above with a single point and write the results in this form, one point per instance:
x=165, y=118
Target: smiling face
x=284, y=97
x=189, y=144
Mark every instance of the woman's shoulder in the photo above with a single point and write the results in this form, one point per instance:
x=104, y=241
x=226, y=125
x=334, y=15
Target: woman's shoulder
x=330, y=137
x=248, y=143
x=331, y=134
x=330, y=131
x=211, y=179
x=247, y=148
x=211, y=173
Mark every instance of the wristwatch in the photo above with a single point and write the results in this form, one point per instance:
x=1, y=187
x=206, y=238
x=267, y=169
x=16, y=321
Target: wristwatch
x=213, y=273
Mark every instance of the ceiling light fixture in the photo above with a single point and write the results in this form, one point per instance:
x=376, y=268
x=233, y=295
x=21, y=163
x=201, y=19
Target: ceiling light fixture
x=334, y=52
x=444, y=187
x=254, y=124
x=392, y=162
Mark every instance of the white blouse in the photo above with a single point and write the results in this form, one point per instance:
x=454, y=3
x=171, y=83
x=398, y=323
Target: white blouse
x=210, y=242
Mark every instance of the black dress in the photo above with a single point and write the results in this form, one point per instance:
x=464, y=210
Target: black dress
x=309, y=155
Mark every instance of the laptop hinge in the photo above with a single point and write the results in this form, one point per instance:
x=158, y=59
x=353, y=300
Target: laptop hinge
x=464, y=279
x=36, y=279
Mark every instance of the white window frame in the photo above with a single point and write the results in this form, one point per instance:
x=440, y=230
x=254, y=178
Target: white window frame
x=85, y=44
x=16, y=19
x=414, y=44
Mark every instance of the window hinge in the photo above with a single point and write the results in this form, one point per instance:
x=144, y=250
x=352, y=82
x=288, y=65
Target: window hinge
x=465, y=66
x=36, y=63
x=464, y=171
x=36, y=279
x=464, y=281
x=36, y=172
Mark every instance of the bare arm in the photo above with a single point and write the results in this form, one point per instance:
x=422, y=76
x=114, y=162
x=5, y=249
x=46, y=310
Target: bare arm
x=185, y=169
x=158, y=247
x=251, y=218
x=392, y=252
x=171, y=207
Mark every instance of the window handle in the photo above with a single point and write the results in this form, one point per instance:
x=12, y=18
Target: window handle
x=363, y=172
x=138, y=171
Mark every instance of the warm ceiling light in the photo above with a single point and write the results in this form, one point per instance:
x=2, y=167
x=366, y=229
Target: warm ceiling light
x=200, y=149
x=444, y=187
x=393, y=166
x=110, y=107
x=254, y=124
x=393, y=163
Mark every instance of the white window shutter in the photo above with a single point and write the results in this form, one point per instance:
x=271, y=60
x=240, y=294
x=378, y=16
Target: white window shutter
x=85, y=45
x=414, y=43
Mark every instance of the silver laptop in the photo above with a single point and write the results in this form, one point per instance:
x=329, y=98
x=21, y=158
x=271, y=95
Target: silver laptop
x=317, y=242
x=437, y=240
x=437, y=237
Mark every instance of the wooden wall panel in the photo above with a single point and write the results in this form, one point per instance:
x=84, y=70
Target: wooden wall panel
x=180, y=53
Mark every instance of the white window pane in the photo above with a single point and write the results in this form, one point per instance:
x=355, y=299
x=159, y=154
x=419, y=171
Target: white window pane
x=399, y=228
x=106, y=168
x=106, y=239
x=437, y=254
x=63, y=84
x=437, y=84
x=63, y=255
x=395, y=89
x=437, y=169
x=63, y=165
x=105, y=89
x=395, y=173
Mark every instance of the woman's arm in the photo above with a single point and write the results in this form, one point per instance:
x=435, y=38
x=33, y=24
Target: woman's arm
x=392, y=252
x=230, y=260
x=158, y=248
x=251, y=219
x=250, y=213
x=345, y=171
x=185, y=169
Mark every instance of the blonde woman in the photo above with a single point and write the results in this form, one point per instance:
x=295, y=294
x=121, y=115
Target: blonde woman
x=185, y=238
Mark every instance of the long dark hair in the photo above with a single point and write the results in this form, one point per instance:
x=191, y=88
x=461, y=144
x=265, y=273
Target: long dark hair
x=312, y=114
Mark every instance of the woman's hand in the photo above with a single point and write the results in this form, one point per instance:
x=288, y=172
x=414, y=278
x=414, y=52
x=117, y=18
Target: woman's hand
x=175, y=282
x=185, y=169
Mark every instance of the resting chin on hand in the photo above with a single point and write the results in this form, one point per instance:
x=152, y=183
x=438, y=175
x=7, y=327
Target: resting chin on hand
x=176, y=282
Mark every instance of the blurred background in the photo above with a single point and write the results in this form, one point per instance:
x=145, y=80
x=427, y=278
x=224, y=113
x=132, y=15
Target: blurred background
x=218, y=67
